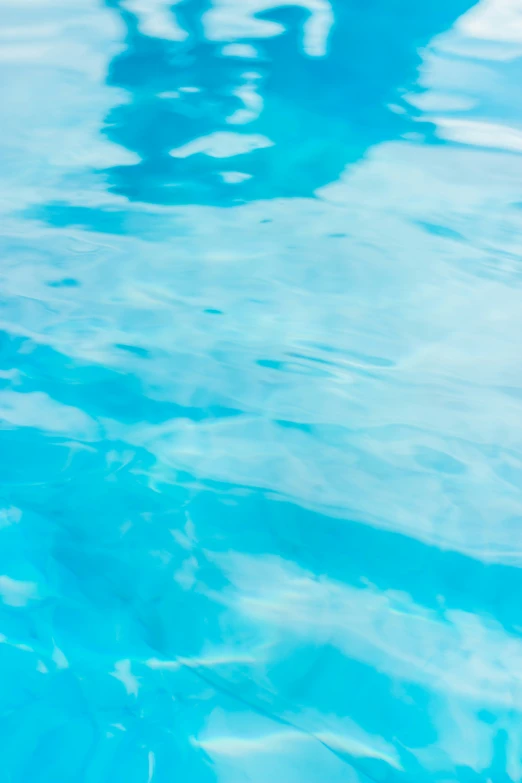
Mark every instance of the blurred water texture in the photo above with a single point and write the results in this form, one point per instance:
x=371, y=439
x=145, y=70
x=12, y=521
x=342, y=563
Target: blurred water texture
x=261, y=391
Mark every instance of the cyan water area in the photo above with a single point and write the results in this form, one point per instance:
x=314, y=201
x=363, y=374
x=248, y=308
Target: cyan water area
x=260, y=391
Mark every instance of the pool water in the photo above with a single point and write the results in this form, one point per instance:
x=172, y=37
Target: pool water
x=260, y=391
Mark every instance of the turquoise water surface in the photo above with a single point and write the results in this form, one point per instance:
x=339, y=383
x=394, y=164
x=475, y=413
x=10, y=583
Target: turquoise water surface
x=260, y=391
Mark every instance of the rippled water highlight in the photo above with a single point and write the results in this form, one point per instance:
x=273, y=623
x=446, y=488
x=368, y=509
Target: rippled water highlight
x=261, y=391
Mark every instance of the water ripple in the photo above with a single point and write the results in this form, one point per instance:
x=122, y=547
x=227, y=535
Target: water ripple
x=260, y=391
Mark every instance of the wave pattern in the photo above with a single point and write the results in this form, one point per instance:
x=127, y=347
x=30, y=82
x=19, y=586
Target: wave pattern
x=260, y=391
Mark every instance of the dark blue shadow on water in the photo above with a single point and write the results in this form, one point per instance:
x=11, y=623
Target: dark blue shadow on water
x=321, y=113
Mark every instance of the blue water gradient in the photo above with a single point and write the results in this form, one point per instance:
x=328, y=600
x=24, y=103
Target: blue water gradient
x=260, y=391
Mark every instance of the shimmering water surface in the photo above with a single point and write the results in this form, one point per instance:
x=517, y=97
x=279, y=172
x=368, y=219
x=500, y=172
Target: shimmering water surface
x=261, y=391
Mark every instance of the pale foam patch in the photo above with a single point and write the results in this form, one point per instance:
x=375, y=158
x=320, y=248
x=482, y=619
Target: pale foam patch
x=251, y=99
x=72, y=53
x=223, y=144
x=83, y=38
x=451, y=652
x=185, y=576
x=37, y=409
x=151, y=759
x=234, y=177
x=231, y=20
x=312, y=746
x=478, y=133
x=247, y=735
x=240, y=50
x=15, y=592
x=82, y=148
x=10, y=516
x=491, y=30
x=213, y=658
x=59, y=658
x=478, y=45
x=156, y=18
x=123, y=673
x=432, y=100
x=493, y=20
